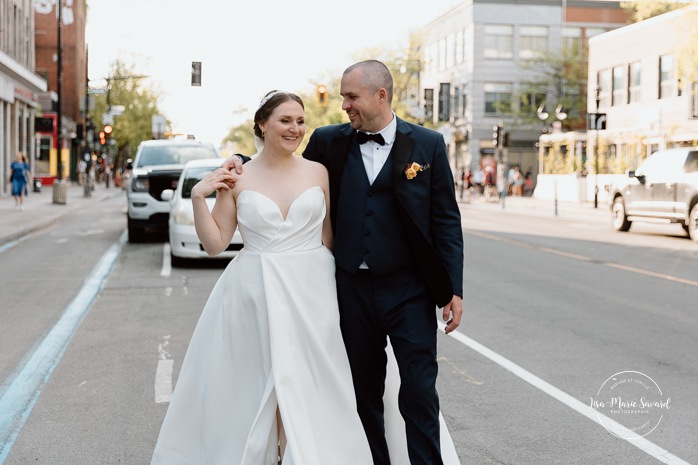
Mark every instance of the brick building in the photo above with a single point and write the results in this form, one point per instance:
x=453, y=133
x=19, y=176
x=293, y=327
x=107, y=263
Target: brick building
x=74, y=82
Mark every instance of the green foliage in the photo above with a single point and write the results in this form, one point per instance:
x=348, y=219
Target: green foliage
x=645, y=9
x=127, y=88
x=560, y=78
x=405, y=68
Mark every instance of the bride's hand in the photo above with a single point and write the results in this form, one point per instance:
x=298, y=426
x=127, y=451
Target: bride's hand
x=218, y=180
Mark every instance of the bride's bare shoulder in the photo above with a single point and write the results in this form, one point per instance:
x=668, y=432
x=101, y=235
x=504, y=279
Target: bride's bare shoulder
x=314, y=167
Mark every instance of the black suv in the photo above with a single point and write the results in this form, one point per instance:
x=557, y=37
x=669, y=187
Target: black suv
x=157, y=167
x=664, y=187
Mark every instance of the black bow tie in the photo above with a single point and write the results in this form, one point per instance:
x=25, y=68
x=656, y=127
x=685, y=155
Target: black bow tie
x=365, y=137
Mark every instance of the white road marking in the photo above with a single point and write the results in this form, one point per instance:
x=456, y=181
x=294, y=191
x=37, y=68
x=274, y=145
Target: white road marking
x=163, y=381
x=166, y=269
x=594, y=415
x=163, y=374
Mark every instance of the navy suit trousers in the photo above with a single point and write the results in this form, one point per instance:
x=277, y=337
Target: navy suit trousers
x=396, y=305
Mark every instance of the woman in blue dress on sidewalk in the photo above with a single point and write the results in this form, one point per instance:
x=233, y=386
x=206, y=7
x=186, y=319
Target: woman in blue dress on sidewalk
x=19, y=177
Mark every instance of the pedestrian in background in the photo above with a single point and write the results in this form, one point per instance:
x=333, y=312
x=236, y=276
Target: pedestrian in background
x=82, y=167
x=20, y=176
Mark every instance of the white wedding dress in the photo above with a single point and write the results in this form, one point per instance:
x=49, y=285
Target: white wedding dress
x=269, y=337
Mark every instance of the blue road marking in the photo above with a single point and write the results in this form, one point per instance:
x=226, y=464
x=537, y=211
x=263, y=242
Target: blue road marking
x=22, y=392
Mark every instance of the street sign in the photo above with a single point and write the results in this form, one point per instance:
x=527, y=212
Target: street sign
x=107, y=118
x=117, y=110
x=159, y=125
x=596, y=121
x=196, y=73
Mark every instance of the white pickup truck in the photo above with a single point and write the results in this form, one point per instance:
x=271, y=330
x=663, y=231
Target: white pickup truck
x=663, y=188
x=157, y=167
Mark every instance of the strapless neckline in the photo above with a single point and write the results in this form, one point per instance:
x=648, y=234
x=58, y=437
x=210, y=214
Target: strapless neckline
x=278, y=209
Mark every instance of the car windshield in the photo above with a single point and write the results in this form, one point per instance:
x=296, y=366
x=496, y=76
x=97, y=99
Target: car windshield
x=192, y=176
x=175, y=154
x=691, y=165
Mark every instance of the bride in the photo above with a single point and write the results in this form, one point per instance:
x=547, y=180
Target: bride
x=266, y=375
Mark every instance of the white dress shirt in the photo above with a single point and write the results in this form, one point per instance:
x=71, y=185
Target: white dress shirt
x=374, y=154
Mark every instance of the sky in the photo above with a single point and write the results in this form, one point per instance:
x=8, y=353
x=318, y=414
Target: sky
x=246, y=48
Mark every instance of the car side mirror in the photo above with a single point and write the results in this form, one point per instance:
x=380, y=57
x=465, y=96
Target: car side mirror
x=167, y=195
x=129, y=165
x=640, y=177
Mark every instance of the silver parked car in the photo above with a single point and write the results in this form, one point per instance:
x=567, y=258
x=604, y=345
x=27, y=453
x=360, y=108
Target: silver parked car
x=664, y=188
x=184, y=243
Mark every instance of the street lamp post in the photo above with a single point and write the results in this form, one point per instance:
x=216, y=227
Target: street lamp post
x=560, y=116
x=597, y=92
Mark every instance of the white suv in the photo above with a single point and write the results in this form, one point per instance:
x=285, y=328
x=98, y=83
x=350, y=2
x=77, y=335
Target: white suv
x=157, y=167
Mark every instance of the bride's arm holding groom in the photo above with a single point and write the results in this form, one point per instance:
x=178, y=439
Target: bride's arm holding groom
x=215, y=228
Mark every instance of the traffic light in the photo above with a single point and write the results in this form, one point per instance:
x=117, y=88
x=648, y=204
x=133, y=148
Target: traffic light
x=102, y=138
x=496, y=136
x=322, y=97
x=107, y=130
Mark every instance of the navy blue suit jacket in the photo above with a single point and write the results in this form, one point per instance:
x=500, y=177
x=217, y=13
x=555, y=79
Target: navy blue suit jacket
x=427, y=203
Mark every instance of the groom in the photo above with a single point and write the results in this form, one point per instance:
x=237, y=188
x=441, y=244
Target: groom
x=398, y=248
x=399, y=252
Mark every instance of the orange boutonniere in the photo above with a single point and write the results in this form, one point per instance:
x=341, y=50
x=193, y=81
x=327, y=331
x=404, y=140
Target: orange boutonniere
x=413, y=168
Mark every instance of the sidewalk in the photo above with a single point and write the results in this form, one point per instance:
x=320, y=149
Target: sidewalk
x=536, y=207
x=40, y=211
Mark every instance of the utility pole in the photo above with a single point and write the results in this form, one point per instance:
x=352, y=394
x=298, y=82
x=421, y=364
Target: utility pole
x=59, y=189
x=59, y=91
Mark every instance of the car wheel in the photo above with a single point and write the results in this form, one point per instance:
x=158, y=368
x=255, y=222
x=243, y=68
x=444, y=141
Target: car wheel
x=692, y=226
x=135, y=233
x=177, y=261
x=619, y=218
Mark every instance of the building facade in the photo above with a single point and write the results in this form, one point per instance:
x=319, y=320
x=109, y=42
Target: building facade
x=643, y=83
x=473, y=77
x=73, y=90
x=19, y=85
x=646, y=75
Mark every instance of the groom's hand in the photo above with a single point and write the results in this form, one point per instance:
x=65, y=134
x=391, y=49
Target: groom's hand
x=233, y=162
x=452, y=313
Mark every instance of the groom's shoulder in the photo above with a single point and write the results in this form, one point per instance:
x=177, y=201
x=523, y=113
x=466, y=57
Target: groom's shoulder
x=418, y=131
x=332, y=130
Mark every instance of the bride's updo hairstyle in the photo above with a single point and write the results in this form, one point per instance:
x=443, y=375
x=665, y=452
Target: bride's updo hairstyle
x=270, y=101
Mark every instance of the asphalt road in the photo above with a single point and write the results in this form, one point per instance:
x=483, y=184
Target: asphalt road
x=554, y=307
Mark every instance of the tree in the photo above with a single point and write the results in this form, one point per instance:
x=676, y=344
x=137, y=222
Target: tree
x=559, y=78
x=126, y=87
x=645, y=9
